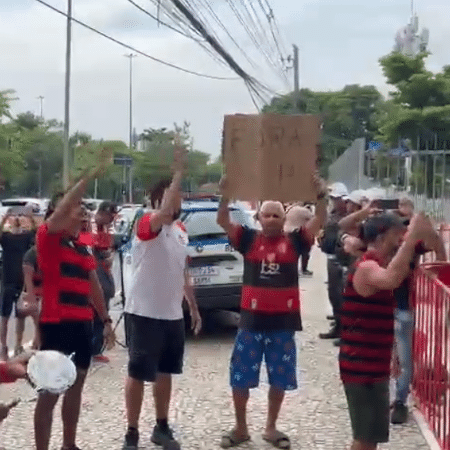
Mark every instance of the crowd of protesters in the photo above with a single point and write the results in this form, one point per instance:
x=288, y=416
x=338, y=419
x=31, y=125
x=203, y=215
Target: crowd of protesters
x=63, y=270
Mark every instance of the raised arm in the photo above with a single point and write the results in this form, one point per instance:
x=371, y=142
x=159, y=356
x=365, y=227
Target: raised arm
x=436, y=244
x=370, y=278
x=223, y=213
x=169, y=204
x=317, y=222
x=4, y=220
x=60, y=219
x=354, y=219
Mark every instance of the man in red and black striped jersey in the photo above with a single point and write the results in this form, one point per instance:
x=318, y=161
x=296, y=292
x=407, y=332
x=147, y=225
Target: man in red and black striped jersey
x=70, y=293
x=270, y=308
x=368, y=323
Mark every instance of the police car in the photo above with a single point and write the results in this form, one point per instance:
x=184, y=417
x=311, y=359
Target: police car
x=215, y=268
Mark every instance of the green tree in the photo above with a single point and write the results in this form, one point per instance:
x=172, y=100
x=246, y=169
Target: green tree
x=347, y=114
x=154, y=162
x=419, y=106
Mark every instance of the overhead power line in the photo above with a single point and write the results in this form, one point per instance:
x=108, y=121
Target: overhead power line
x=162, y=22
x=181, y=32
x=129, y=47
x=255, y=87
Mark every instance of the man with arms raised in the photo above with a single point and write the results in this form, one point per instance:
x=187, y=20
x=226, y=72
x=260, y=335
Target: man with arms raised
x=368, y=323
x=270, y=308
x=70, y=292
x=154, y=325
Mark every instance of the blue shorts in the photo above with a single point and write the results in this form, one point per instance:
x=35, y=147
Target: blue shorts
x=279, y=351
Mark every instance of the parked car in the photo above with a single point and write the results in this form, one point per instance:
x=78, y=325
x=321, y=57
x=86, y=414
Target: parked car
x=39, y=206
x=216, y=269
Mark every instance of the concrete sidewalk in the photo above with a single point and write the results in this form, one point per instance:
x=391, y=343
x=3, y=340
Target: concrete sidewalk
x=315, y=416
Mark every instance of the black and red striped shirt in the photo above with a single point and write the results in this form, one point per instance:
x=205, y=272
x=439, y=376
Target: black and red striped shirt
x=65, y=265
x=270, y=294
x=367, y=334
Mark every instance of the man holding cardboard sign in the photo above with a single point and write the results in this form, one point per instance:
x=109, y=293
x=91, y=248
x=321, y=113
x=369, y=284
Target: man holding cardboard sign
x=270, y=307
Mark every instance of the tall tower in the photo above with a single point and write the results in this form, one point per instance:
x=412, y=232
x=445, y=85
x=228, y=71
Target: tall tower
x=408, y=40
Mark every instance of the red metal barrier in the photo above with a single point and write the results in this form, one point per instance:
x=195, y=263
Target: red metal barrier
x=431, y=351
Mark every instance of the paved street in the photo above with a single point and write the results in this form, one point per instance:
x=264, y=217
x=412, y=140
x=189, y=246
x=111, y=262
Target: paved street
x=315, y=416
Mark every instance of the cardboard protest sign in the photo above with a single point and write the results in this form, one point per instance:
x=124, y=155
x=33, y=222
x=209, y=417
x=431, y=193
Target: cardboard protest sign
x=271, y=156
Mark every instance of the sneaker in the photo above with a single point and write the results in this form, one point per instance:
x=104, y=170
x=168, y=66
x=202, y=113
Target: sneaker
x=18, y=350
x=101, y=359
x=399, y=414
x=131, y=440
x=71, y=448
x=307, y=273
x=164, y=437
x=4, y=356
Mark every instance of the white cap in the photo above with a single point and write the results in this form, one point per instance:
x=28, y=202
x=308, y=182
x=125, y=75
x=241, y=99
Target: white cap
x=338, y=190
x=357, y=197
x=296, y=217
x=375, y=194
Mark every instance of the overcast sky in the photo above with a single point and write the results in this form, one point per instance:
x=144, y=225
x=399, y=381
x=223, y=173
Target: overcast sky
x=340, y=43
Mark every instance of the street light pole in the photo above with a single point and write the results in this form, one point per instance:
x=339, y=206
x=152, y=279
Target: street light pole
x=67, y=98
x=296, y=64
x=41, y=98
x=130, y=188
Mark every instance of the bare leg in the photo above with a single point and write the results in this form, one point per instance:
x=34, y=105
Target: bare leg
x=37, y=336
x=71, y=410
x=276, y=397
x=240, y=399
x=359, y=445
x=134, y=394
x=4, y=331
x=20, y=328
x=43, y=418
x=162, y=389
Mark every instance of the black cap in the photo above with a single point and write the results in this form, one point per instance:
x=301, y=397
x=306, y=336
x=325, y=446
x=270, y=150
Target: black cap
x=380, y=224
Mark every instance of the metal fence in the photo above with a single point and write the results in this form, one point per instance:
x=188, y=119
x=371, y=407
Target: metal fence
x=431, y=349
x=422, y=175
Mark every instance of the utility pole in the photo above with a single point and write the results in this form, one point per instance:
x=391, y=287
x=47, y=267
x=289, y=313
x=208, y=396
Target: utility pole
x=130, y=193
x=296, y=62
x=41, y=98
x=296, y=66
x=67, y=98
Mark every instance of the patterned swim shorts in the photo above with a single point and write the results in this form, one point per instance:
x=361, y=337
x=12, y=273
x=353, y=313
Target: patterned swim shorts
x=279, y=351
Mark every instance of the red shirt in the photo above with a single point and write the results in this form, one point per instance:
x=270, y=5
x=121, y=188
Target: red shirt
x=65, y=265
x=270, y=294
x=367, y=332
x=86, y=238
x=102, y=243
x=5, y=376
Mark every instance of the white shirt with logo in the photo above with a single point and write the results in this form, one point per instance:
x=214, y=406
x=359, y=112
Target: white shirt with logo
x=158, y=264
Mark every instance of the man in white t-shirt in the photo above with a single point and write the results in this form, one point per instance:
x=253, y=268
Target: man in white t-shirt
x=154, y=324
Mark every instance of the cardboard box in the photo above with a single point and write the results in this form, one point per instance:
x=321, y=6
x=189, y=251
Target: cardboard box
x=271, y=156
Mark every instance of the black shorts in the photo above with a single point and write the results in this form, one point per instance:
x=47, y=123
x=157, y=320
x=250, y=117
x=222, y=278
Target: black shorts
x=69, y=338
x=368, y=405
x=10, y=295
x=154, y=346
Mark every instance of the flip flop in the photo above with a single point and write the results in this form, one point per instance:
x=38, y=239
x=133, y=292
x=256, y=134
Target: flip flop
x=231, y=440
x=279, y=440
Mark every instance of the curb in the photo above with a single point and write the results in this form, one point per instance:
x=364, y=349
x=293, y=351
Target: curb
x=425, y=430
